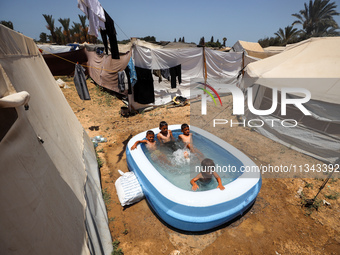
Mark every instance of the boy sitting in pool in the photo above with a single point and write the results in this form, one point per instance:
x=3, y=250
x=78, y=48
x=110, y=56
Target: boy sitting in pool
x=150, y=143
x=206, y=174
x=165, y=136
x=186, y=139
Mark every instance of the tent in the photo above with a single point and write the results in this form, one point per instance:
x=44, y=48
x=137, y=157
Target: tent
x=51, y=201
x=313, y=65
x=252, y=49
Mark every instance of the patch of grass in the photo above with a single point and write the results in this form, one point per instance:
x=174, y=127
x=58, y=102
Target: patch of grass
x=106, y=196
x=99, y=160
x=333, y=196
x=309, y=185
x=125, y=232
x=116, y=250
x=111, y=219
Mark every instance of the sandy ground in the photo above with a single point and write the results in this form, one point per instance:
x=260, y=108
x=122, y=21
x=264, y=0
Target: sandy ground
x=277, y=223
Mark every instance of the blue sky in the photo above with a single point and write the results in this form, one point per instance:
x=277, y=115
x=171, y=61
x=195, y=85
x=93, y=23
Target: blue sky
x=246, y=20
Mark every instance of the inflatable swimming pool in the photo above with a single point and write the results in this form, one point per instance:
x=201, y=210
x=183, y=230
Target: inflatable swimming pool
x=189, y=210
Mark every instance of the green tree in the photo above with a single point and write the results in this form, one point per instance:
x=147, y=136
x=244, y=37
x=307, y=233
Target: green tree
x=317, y=18
x=202, y=41
x=84, y=28
x=212, y=39
x=272, y=41
x=66, y=26
x=183, y=39
x=43, y=38
x=76, y=32
x=50, y=26
x=288, y=35
x=8, y=24
x=60, y=39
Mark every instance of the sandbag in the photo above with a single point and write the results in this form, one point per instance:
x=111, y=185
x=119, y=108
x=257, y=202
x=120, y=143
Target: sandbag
x=128, y=188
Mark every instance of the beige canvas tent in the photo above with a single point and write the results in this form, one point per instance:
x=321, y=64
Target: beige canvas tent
x=252, y=49
x=51, y=200
x=314, y=65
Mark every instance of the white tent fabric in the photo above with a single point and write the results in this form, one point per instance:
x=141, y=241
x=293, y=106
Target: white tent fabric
x=313, y=65
x=222, y=68
x=316, y=58
x=51, y=200
x=48, y=49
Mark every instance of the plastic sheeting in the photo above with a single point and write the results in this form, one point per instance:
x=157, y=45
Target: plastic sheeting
x=222, y=68
x=313, y=65
x=50, y=197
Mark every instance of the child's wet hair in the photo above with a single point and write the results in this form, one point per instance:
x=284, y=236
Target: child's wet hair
x=162, y=123
x=150, y=132
x=184, y=126
x=207, y=162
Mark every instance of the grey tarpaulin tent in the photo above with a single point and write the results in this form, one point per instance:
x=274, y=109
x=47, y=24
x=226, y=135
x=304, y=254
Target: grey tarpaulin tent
x=51, y=200
x=313, y=65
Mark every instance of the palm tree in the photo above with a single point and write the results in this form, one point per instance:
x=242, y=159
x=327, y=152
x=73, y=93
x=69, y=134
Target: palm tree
x=60, y=38
x=66, y=25
x=50, y=26
x=317, y=18
x=288, y=35
x=84, y=28
x=77, y=31
x=224, y=40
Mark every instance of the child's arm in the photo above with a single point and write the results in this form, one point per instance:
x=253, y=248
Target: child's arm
x=218, y=178
x=194, y=180
x=138, y=142
x=171, y=136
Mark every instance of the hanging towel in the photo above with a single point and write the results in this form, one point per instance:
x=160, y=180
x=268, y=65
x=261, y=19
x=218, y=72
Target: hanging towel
x=132, y=72
x=175, y=72
x=110, y=32
x=80, y=82
x=143, y=89
x=121, y=84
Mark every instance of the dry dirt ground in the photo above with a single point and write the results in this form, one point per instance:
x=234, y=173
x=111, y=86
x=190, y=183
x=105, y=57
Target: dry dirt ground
x=277, y=223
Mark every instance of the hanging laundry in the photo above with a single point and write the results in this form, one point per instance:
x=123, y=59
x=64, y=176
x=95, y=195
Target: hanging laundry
x=157, y=73
x=94, y=13
x=80, y=82
x=166, y=73
x=121, y=84
x=175, y=72
x=110, y=32
x=132, y=72
x=144, y=89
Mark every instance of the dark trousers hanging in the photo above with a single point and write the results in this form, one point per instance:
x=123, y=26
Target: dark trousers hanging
x=175, y=72
x=111, y=33
x=143, y=90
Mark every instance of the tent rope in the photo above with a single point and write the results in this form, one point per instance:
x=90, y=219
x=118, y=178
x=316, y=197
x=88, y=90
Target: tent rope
x=114, y=71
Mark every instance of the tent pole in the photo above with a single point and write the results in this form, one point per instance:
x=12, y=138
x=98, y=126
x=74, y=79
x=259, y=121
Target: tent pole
x=205, y=68
x=242, y=63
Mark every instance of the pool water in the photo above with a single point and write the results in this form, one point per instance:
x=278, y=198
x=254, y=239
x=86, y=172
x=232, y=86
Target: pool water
x=171, y=163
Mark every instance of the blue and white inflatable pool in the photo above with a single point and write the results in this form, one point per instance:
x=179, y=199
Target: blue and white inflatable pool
x=196, y=211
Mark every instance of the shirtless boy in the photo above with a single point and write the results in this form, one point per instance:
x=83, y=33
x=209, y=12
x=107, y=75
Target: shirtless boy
x=150, y=141
x=205, y=176
x=165, y=135
x=186, y=138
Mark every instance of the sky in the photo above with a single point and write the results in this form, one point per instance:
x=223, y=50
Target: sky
x=246, y=20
